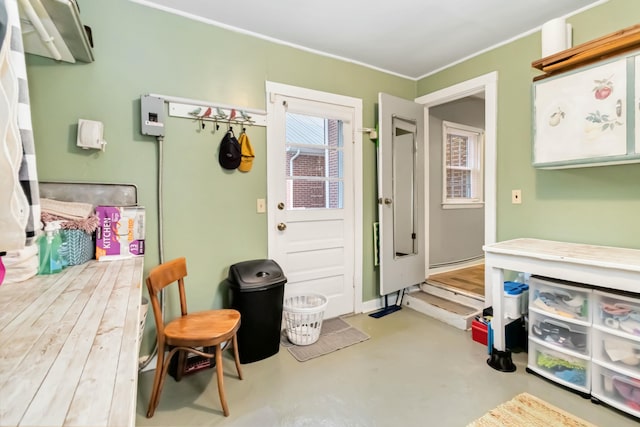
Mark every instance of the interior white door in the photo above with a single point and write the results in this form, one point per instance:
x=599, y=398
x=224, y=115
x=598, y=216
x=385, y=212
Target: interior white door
x=311, y=198
x=401, y=195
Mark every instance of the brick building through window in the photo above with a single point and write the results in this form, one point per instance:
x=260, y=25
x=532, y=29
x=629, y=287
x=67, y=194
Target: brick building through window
x=314, y=162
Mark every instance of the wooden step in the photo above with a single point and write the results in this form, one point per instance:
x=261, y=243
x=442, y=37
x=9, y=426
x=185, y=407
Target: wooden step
x=445, y=310
x=453, y=293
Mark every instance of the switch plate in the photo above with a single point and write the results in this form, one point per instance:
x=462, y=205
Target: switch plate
x=516, y=197
x=261, y=206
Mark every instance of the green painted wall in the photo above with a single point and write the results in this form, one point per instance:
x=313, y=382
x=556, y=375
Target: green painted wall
x=596, y=205
x=210, y=215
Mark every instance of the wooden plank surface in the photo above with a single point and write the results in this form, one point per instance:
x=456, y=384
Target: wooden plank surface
x=577, y=253
x=469, y=279
x=70, y=346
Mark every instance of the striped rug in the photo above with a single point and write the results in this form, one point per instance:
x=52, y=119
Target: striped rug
x=526, y=410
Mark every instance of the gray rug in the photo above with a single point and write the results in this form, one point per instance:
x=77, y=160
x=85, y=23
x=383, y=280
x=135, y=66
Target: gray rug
x=334, y=335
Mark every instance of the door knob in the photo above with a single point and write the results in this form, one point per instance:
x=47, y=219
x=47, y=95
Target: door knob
x=387, y=201
x=282, y=226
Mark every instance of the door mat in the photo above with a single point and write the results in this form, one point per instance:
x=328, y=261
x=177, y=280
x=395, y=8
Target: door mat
x=526, y=410
x=334, y=335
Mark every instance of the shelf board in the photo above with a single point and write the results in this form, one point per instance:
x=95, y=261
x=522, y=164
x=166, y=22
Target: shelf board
x=613, y=44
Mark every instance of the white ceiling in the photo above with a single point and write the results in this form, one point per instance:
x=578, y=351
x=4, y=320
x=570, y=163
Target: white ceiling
x=410, y=38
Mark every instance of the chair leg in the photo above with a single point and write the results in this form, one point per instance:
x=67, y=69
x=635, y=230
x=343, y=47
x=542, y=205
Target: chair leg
x=220, y=374
x=156, y=383
x=181, y=365
x=163, y=377
x=236, y=356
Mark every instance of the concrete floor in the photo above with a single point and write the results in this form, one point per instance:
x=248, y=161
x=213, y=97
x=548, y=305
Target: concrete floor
x=414, y=371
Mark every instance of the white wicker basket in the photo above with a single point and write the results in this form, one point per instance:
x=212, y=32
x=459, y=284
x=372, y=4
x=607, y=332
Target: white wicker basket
x=303, y=315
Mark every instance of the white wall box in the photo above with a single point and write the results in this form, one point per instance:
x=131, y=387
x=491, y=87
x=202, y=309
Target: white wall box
x=586, y=117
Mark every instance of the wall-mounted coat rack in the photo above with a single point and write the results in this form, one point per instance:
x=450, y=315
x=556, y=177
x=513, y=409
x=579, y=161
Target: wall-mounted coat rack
x=210, y=112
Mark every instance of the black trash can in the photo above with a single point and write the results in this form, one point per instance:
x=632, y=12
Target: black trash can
x=257, y=292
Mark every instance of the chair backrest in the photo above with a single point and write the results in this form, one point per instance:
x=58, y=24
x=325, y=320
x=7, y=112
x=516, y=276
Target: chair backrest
x=159, y=278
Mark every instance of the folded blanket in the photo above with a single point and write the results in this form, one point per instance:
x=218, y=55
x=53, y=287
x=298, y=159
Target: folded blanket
x=68, y=210
x=88, y=225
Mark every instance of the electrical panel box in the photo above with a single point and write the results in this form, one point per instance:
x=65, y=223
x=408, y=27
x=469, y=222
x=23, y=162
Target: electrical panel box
x=152, y=119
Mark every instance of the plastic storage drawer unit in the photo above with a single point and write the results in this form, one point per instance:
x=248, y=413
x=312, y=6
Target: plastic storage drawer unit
x=617, y=312
x=618, y=351
x=572, y=371
x=560, y=333
x=617, y=389
x=559, y=298
x=257, y=292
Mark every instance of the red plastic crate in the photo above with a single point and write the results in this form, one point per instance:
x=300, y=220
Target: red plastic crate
x=479, y=332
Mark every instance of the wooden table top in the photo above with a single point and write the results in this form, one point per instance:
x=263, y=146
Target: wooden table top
x=69, y=346
x=577, y=253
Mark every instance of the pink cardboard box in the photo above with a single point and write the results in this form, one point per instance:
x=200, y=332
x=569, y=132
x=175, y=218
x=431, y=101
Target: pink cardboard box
x=121, y=231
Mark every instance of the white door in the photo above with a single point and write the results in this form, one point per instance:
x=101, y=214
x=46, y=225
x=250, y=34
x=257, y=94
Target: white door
x=311, y=198
x=401, y=193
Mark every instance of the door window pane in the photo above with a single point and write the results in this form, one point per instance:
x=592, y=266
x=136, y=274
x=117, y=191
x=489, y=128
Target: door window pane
x=314, y=162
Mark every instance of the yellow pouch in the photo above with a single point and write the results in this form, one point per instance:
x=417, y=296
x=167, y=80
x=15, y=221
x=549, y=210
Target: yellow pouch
x=246, y=150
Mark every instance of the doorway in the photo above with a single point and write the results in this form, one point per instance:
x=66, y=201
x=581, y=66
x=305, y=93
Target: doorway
x=314, y=188
x=483, y=87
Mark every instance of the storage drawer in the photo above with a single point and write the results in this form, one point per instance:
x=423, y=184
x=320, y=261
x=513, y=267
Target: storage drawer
x=617, y=312
x=563, y=368
x=616, y=350
x=560, y=333
x=564, y=299
x=617, y=389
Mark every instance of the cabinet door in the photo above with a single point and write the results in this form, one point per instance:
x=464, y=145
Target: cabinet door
x=581, y=117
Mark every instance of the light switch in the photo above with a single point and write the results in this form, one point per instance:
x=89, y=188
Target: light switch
x=261, y=206
x=516, y=197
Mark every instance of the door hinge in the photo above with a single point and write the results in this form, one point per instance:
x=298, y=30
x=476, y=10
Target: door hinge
x=413, y=236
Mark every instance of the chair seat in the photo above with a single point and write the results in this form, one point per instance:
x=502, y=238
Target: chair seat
x=207, y=328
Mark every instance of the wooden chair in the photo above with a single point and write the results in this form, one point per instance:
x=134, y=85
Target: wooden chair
x=184, y=334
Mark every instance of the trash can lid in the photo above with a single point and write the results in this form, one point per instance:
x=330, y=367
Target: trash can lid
x=256, y=274
x=515, y=288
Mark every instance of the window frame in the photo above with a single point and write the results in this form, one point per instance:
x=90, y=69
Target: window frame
x=475, y=166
